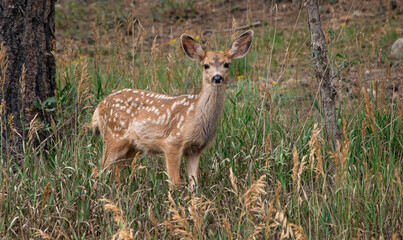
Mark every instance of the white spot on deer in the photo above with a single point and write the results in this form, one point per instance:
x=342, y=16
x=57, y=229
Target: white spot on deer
x=159, y=120
x=180, y=122
x=163, y=119
x=147, y=101
x=128, y=110
x=130, y=99
x=132, y=115
x=174, y=105
x=116, y=114
x=136, y=99
x=190, y=108
x=171, y=137
x=117, y=105
x=177, y=103
x=168, y=114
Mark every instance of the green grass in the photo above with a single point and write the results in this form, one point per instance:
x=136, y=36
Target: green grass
x=368, y=201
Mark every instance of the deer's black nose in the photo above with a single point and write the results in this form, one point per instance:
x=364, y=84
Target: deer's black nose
x=217, y=79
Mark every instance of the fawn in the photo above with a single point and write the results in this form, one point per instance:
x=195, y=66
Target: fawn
x=132, y=120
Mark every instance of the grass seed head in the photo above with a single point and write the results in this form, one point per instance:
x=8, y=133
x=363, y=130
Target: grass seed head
x=233, y=181
x=315, y=146
x=296, y=164
x=254, y=191
x=42, y=234
x=398, y=181
x=135, y=167
x=46, y=193
x=227, y=228
x=300, y=171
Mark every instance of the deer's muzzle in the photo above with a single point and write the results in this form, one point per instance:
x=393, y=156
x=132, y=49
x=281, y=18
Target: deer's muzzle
x=217, y=79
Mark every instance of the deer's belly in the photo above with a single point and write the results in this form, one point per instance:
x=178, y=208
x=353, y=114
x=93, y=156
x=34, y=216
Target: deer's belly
x=146, y=137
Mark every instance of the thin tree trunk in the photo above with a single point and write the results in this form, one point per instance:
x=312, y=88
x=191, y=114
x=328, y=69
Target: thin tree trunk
x=27, y=33
x=322, y=72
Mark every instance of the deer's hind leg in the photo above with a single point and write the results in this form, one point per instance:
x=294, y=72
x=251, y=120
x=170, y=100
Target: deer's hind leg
x=120, y=152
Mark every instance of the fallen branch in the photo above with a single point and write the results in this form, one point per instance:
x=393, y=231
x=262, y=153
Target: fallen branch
x=244, y=27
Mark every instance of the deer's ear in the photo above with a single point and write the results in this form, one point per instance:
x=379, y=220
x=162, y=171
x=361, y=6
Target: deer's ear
x=240, y=46
x=192, y=48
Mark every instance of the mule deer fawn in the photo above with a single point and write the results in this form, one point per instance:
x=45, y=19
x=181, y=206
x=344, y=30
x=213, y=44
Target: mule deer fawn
x=132, y=121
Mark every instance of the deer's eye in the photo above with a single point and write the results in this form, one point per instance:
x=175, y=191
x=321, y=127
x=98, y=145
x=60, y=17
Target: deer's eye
x=226, y=65
x=206, y=66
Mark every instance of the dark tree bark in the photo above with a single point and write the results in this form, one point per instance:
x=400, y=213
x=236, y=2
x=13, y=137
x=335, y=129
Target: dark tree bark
x=27, y=33
x=322, y=72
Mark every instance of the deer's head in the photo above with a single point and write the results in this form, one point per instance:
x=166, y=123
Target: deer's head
x=216, y=64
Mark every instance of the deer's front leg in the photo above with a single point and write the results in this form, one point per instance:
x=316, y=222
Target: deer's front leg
x=173, y=160
x=192, y=168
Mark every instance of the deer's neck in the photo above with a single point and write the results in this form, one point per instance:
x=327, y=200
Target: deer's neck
x=210, y=105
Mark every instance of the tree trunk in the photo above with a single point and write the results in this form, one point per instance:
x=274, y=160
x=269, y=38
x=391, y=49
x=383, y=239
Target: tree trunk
x=322, y=72
x=27, y=33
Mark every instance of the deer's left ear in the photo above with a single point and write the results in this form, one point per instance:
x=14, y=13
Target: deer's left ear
x=240, y=46
x=192, y=48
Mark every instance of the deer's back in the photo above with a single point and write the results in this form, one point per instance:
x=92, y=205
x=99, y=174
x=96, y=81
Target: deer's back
x=150, y=121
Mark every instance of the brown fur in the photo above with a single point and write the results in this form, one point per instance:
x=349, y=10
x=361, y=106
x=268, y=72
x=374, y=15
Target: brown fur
x=132, y=121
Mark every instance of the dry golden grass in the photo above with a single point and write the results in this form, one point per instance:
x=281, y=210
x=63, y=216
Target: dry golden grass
x=398, y=181
x=42, y=234
x=188, y=224
x=178, y=224
x=134, y=167
x=124, y=233
x=341, y=155
x=46, y=193
x=369, y=110
x=296, y=164
x=315, y=147
x=227, y=227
